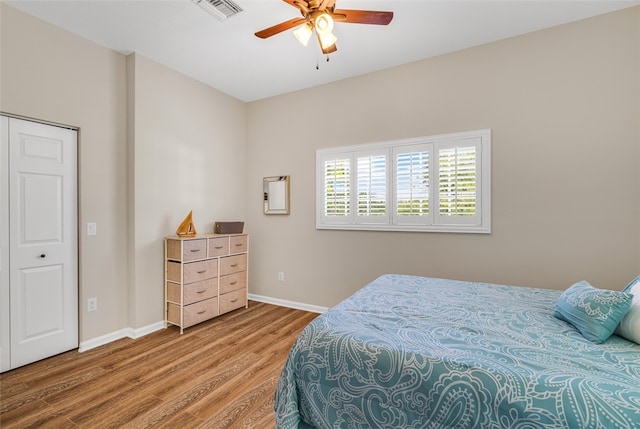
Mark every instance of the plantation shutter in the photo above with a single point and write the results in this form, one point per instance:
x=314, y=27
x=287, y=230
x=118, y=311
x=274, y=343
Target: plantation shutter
x=412, y=184
x=458, y=182
x=372, y=185
x=439, y=183
x=336, y=196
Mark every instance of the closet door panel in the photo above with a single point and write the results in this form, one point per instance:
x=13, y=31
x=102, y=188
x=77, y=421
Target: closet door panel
x=43, y=241
x=41, y=290
x=41, y=198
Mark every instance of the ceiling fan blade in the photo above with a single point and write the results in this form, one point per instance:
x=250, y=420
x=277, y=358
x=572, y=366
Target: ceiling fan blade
x=279, y=28
x=362, y=16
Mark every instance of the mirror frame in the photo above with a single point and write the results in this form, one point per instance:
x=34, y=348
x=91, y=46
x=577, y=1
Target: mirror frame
x=276, y=195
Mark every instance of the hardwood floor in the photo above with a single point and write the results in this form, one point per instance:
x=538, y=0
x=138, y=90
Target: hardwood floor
x=219, y=374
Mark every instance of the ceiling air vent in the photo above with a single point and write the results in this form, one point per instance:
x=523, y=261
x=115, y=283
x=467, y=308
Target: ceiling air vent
x=221, y=9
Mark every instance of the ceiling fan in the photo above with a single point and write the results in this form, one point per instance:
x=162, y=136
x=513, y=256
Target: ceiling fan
x=320, y=15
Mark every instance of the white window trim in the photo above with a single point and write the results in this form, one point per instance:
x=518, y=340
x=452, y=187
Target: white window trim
x=434, y=223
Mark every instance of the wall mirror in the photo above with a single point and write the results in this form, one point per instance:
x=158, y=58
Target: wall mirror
x=276, y=195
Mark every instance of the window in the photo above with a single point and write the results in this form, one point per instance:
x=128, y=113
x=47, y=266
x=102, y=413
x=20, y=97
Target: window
x=438, y=183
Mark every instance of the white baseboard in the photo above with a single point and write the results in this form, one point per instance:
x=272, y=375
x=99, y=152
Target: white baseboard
x=289, y=304
x=122, y=333
x=145, y=330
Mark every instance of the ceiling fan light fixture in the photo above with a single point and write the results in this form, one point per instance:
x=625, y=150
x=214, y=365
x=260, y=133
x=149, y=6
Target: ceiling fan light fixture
x=327, y=40
x=318, y=16
x=303, y=33
x=324, y=24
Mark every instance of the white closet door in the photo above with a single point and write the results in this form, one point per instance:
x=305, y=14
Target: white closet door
x=43, y=240
x=5, y=334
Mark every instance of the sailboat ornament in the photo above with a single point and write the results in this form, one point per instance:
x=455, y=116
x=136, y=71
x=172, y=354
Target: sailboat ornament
x=187, y=228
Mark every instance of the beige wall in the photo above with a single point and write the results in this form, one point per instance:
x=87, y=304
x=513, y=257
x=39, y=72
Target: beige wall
x=50, y=74
x=188, y=154
x=563, y=107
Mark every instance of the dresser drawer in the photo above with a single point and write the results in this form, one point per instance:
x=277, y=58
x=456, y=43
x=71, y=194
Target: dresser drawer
x=233, y=264
x=193, y=271
x=200, y=311
x=218, y=246
x=232, y=282
x=201, y=270
x=199, y=291
x=194, y=313
x=237, y=244
x=174, y=271
x=231, y=301
x=187, y=250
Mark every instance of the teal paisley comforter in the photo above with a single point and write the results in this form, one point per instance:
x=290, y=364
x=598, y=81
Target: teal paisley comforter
x=416, y=352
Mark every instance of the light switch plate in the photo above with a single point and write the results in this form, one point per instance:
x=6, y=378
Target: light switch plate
x=92, y=228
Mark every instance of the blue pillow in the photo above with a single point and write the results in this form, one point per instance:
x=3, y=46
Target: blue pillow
x=594, y=312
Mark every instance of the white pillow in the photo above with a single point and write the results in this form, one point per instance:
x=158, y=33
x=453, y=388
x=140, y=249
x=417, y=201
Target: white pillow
x=629, y=326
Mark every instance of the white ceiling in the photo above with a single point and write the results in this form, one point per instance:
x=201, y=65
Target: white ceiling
x=226, y=55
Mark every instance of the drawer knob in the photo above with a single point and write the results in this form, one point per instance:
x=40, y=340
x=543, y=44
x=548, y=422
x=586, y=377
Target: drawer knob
x=218, y=247
x=202, y=272
x=234, y=265
x=200, y=291
x=42, y=255
x=194, y=250
x=233, y=283
x=238, y=244
x=234, y=300
x=202, y=312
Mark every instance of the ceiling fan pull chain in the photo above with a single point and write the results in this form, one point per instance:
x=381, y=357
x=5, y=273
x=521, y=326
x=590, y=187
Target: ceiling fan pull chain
x=318, y=63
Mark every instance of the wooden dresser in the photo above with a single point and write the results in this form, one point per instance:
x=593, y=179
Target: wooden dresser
x=205, y=276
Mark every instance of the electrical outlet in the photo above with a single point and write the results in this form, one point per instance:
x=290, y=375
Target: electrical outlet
x=92, y=304
x=281, y=276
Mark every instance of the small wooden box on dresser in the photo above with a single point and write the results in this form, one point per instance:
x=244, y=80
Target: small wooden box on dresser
x=205, y=276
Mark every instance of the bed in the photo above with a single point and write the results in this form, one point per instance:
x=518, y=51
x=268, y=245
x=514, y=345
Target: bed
x=416, y=352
